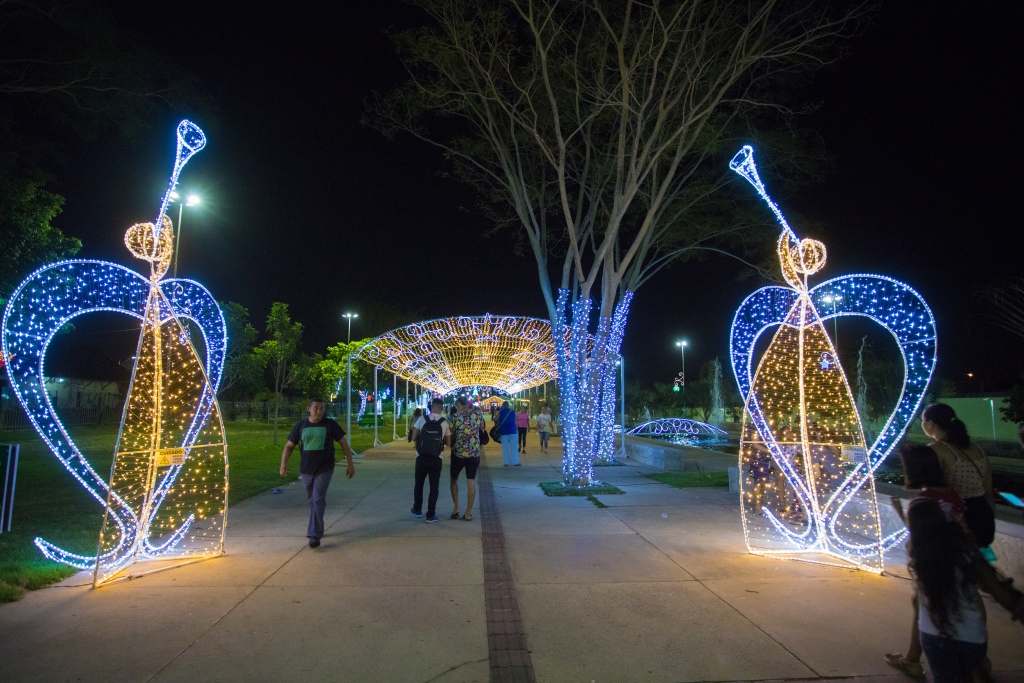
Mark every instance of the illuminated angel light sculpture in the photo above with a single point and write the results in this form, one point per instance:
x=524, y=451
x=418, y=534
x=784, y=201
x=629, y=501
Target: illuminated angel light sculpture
x=508, y=353
x=807, y=479
x=167, y=494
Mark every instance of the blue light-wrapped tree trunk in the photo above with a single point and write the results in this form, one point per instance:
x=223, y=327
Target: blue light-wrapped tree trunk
x=587, y=383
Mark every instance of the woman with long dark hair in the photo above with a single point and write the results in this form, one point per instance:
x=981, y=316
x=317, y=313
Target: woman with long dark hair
x=951, y=615
x=922, y=473
x=966, y=468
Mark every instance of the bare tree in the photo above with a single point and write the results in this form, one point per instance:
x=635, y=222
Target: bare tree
x=67, y=61
x=1005, y=303
x=601, y=130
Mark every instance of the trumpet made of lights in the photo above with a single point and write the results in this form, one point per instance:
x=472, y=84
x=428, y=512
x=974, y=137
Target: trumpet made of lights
x=807, y=473
x=166, y=498
x=509, y=353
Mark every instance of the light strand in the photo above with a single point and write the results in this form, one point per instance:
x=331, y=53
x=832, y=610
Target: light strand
x=807, y=473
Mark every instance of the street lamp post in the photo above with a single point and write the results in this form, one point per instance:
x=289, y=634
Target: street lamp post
x=682, y=357
x=348, y=396
x=376, y=400
x=192, y=200
x=394, y=409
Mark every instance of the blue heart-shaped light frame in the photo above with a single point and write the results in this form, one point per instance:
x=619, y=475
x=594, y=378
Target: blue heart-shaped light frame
x=892, y=304
x=55, y=295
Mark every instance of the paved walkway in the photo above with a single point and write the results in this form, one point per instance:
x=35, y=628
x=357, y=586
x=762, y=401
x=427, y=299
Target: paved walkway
x=656, y=586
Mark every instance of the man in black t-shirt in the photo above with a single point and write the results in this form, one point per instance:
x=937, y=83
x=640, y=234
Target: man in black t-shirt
x=315, y=437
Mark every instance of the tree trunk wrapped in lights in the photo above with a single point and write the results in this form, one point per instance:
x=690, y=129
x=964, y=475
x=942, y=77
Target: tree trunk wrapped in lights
x=587, y=384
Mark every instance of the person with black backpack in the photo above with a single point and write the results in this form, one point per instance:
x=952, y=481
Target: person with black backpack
x=431, y=435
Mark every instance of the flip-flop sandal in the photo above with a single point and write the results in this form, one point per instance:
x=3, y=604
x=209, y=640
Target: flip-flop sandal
x=907, y=668
x=456, y=515
x=467, y=519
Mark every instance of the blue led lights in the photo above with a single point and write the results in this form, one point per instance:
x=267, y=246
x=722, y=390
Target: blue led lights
x=167, y=493
x=806, y=471
x=587, y=410
x=678, y=427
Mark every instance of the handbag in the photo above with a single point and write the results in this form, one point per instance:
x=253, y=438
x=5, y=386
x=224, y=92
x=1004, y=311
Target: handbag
x=496, y=432
x=979, y=516
x=484, y=439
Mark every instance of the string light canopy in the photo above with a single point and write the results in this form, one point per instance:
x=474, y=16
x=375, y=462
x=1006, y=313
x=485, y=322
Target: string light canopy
x=807, y=481
x=167, y=494
x=505, y=352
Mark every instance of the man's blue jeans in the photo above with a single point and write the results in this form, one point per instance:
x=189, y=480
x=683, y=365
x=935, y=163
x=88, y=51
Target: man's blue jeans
x=316, y=492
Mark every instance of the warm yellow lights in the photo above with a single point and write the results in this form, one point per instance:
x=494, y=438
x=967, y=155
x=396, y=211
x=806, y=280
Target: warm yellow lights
x=806, y=482
x=508, y=353
x=166, y=498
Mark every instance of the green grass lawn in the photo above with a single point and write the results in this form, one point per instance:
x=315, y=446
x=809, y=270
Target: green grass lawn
x=50, y=503
x=683, y=480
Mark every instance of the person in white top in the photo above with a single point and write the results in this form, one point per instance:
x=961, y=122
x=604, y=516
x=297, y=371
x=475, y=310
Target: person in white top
x=431, y=435
x=544, y=428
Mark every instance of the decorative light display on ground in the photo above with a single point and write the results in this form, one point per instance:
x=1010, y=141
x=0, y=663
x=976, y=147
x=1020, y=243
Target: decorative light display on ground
x=362, y=404
x=806, y=472
x=509, y=353
x=167, y=494
x=680, y=430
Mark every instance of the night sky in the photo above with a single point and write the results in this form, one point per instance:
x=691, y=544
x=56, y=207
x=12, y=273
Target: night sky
x=303, y=204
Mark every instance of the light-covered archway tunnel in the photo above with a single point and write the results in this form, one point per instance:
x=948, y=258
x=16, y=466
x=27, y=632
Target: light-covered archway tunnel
x=505, y=352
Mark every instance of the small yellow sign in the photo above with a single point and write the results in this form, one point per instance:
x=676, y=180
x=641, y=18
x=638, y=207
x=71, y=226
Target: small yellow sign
x=165, y=457
x=855, y=454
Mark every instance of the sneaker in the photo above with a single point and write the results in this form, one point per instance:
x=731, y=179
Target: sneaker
x=415, y=512
x=431, y=519
x=314, y=543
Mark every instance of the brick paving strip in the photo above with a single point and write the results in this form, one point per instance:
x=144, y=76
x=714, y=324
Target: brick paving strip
x=506, y=639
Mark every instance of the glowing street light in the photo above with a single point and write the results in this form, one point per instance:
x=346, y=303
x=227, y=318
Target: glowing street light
x=834, y=299
x=348, y=397
x=193, y=200
x=682, y=356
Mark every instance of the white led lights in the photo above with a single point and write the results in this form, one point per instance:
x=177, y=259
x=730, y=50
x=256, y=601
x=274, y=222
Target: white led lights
x=167, y=494
x=587, y=411
x=509, y=353
x=806, y=472
x=678, y=426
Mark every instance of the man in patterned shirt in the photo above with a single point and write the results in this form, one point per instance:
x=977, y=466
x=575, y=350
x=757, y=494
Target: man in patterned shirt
x=466, y=426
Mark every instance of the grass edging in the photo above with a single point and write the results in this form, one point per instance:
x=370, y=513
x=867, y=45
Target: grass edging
x=558, y=489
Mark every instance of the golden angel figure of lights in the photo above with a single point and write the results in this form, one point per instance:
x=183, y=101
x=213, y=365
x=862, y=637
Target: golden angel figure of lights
x=166, y=499
x=806, y=469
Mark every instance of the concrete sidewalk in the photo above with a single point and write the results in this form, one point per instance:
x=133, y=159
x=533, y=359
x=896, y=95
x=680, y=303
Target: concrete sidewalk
x=657, y=586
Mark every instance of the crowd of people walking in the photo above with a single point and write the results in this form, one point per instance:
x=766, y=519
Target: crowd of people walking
x=950, y=517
